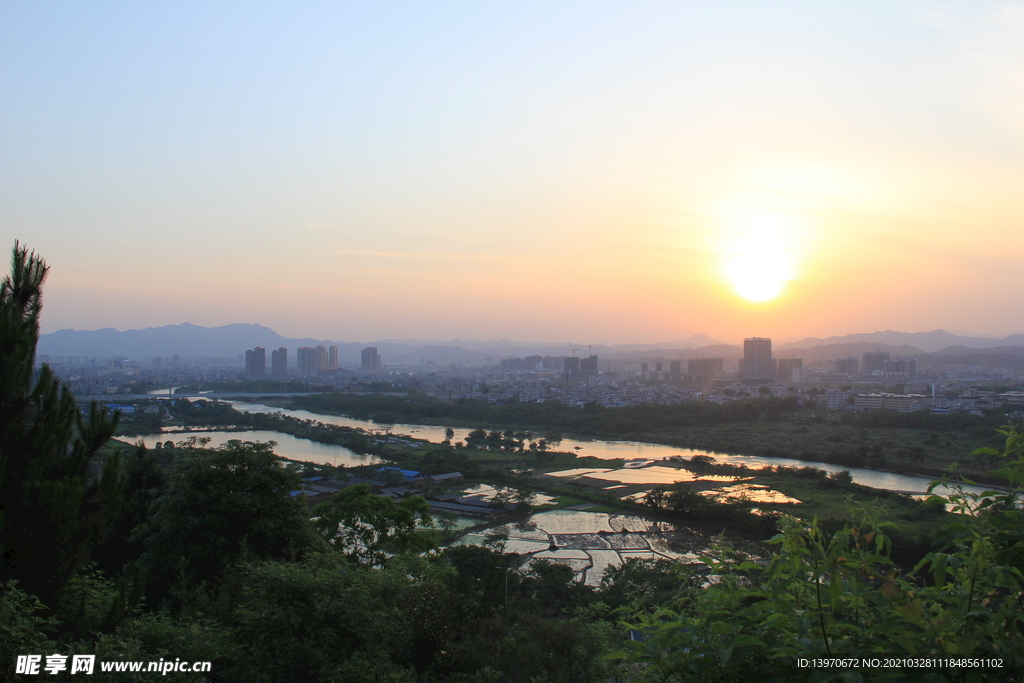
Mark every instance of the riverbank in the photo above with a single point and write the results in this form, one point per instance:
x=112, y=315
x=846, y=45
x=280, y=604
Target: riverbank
x=820, y=496
x=849, y=440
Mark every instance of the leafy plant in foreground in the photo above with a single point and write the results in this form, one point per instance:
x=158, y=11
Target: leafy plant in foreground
x=841, y=596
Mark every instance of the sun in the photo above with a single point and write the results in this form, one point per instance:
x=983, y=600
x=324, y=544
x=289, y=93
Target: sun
x=758, y=257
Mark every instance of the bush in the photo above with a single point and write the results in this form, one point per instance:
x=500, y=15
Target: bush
x=840, y=594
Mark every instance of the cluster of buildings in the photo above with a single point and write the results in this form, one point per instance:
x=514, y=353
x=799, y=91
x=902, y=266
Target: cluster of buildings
x=310, y=361
x=955, y=398
x=570, y=367
x=877, y=363
x=759, y=367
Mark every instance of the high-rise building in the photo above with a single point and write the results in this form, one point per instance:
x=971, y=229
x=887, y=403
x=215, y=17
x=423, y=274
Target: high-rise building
x=588, y=366
x=758, y=367
x=256, y=363
x=554, y=363
x=371, y=360
x=712, y=368
x=848, y=366
x=906, y=367
x=874, y=360
x=321, y=356
x=279, y=362
x=332, y=358
x=676, y=367
x=572, y=366
x=305, y=359
x=784, y=370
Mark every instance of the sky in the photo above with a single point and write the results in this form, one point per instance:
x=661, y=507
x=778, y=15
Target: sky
x=602, y=172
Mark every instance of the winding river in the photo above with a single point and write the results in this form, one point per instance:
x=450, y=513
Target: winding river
x=311, y=451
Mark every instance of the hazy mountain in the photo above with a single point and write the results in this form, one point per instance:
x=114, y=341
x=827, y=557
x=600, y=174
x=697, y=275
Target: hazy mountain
x=995, y=350
x=694, y=342
x=442, y=355
x=828, y=352
x=1002, y=357
x=230, y=341
x=186, y=339
x=926, y=341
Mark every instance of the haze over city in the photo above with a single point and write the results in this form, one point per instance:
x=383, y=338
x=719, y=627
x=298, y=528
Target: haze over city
x=594, y=172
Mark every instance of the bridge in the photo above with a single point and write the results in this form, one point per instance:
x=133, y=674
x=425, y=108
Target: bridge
x=235, y=395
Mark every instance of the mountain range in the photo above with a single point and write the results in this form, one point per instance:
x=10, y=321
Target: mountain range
x=928, y=342
x=230, y=341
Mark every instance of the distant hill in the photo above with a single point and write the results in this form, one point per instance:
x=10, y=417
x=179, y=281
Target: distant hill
x=827, y=352
x=927, y=342
x=230, y=341
x=995, y=350
x=185, y=339
x=996, y=358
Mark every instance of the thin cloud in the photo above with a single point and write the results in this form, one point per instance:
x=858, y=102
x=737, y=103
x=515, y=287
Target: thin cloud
x=422, y=257
x=323, y=225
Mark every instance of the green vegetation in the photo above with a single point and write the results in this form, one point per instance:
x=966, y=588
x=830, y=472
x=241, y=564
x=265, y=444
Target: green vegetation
x=54, y=491
x=829, y=498
x=204, y=554
x=369, y=528
x=839, y=594
x=227, y=503
x=920, y=443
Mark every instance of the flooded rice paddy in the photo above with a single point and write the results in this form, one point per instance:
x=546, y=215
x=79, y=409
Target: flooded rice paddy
x=591, y=542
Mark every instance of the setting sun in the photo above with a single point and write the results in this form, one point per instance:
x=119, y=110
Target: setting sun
x=759, y=270
x=757, y=257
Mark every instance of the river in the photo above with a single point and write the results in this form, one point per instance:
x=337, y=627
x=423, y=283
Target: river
x=598, y=448
x=288, y=446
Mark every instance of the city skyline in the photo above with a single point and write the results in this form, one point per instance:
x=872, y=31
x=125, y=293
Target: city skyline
x=604, y=172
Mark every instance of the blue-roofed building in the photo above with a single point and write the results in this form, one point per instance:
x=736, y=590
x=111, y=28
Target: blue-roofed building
x=407, y=475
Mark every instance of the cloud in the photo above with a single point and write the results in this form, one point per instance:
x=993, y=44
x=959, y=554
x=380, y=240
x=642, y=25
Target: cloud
x=423, y=257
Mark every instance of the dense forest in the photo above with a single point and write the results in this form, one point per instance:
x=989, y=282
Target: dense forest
x=208, y=557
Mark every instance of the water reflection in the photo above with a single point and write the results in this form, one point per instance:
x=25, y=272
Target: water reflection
x=629, y=450
x=590, y=542
x=288, y=446
x=646, y=475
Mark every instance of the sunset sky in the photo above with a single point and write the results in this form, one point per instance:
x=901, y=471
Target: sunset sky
x=592, y=171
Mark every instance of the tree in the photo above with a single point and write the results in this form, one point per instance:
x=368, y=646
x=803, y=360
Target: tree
x=836, y=595
x=56, y=492
x=526, y=498
x=448, y=521
x=502, y=495
x=220, y=504
x=368, y=527
x=145, y=480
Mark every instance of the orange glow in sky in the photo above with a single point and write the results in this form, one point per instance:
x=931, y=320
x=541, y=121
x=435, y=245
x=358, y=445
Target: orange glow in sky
x=631, y=172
